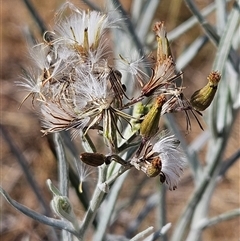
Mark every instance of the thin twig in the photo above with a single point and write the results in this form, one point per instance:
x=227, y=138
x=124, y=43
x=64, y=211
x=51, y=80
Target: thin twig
x=142, y=234
x=95, y=203
x=184, y=59
x=191, y=22
x=210, y=31
x=108, y=212
x=62, y=165
x=160, y=233
x=220, y=218
x=62, y=172
x=59, y=224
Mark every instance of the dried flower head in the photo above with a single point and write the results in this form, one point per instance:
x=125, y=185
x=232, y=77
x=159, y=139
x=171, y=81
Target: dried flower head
x=177, y=102
x=162, y=76
x=72, y=80
x=163, y=50
x=77, y=87
x=164, y=158
x=82, y=35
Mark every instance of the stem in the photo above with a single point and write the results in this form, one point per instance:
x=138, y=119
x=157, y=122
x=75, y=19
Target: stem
x=151, y=203
x=210, y=31
x=95, y=203
x=162, y=214
x=88, y=144
x=62, y=165
x=220, y=218
x=186, y=217
x=185, y=26
x=62, y=172
x=142, y=234
x=59, y=224
x=110, y=204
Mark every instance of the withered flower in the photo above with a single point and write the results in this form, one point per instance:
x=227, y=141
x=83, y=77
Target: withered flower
x=179, y=103
x=162, y=76
x=164, y=159
x=163, y=50
x=165, y=71
x=73, y=84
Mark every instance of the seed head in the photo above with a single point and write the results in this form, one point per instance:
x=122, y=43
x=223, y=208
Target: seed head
x=164, y=159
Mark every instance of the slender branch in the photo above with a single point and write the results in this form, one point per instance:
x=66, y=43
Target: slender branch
x=190, y=154
x=134, y=196
x=62, y=172
x=142, y=234
x=160, y=233
x=210, y=31
x=110, y=204
x=186, y=57
x=220, y=218
x=63, y=167
x=95, y=203
x=144, y=21
x=185, y=26
x=88, y=144
x=73, y=178
x=162, y=212
x=59, y=224
x=111, y=180
x=186, y=216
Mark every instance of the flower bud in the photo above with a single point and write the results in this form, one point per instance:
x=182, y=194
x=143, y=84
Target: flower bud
x=202, y=98
x=61, y=205
x=93, y=159
x=149, y=126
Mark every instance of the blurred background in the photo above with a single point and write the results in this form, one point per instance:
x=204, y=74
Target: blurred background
x=22, y=132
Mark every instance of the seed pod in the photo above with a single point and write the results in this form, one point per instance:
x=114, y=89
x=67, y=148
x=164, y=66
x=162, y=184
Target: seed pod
x=149, y=126
x=201, y=99
x=93, y=159
x=154, y=168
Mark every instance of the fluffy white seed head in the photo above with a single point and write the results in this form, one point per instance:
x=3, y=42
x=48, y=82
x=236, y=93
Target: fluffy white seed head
x=172, y=158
